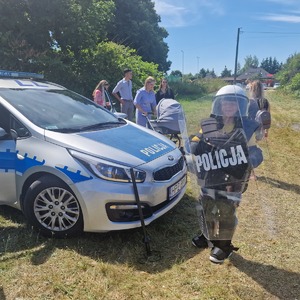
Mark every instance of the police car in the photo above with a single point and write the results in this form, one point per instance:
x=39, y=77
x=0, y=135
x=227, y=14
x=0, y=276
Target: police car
x=72, y=166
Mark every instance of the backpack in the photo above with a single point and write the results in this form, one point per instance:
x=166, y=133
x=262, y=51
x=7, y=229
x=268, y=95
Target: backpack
x=263, y=116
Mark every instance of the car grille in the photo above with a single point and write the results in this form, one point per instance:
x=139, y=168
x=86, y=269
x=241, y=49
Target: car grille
x=168, y=172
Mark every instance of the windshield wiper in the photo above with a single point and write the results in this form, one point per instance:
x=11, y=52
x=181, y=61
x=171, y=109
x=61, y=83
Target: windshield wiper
x=64, y=130
x=100, y=125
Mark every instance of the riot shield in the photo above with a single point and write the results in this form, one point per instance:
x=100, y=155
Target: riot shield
x=220, y=158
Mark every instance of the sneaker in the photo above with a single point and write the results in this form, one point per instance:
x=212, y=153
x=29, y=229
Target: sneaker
x=200, y=241
x=218, y=256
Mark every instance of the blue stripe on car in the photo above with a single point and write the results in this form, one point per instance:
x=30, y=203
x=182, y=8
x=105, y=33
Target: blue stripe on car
x=131, y=140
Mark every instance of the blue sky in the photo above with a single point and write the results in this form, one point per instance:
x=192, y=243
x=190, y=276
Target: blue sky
x=203, y=33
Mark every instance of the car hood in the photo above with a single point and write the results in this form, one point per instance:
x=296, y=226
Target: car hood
x=130, y=144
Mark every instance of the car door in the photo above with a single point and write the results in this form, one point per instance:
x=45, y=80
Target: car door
x=7, y=168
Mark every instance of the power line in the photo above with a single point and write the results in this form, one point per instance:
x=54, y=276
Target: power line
x=270, y=32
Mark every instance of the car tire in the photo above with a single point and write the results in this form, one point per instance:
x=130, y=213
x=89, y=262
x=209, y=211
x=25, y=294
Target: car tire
x=51, y=207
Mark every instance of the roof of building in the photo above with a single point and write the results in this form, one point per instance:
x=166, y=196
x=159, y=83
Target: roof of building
x=254, y=72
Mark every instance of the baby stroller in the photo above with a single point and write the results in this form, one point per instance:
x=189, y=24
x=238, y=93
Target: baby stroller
x=168, y=112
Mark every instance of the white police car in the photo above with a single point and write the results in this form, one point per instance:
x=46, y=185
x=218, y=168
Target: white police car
x=70, y=165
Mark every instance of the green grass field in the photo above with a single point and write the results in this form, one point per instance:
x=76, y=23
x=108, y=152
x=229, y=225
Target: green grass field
x=112, y=265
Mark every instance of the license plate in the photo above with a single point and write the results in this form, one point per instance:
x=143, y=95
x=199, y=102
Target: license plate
x=175, y=189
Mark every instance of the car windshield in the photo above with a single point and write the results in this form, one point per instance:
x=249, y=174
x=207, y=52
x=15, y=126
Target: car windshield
x=60, y=110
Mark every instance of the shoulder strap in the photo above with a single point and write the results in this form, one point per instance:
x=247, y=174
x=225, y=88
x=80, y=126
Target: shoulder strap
x=265, y=104
x=259, y=103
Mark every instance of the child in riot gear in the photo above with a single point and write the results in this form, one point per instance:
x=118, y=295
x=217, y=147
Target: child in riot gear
x=224, y=154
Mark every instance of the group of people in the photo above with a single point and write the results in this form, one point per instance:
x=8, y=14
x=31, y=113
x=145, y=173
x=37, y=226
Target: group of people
x=224, y=151
x=145, y=101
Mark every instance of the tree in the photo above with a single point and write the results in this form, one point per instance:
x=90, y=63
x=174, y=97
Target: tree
x=288, y=75
x=202, y=73
x=271, y=65
x=176, y=73
x=136, y=26
x=213, y=74
x=15, y=46
x=63, y=39
x=33, y=29
x=250, y=62
x=113, y=59
x=226, y=72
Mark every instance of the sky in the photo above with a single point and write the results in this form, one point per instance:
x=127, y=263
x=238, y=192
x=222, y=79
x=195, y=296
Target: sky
x=204, y=33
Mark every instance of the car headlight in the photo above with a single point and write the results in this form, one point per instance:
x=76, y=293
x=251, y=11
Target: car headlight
x=108, y=170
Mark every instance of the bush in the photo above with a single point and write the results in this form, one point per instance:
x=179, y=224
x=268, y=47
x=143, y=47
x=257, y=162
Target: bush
x=294, y=85
x=109, y=60
x=189, y=89
x=106, y=61
x=195, y=89
x=212, y=85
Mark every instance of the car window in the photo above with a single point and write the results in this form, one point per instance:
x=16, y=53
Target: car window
x=4, y=118
x=8, y=122
x=58, y=110
x=19, y=128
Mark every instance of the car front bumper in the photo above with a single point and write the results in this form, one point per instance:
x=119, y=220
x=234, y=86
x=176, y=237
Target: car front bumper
x=108, y=205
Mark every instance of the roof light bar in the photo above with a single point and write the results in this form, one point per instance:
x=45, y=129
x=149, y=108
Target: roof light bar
x=15, y=74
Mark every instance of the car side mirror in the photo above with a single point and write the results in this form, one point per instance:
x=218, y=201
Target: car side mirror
x=2, y=132
x=13, y=134
x=4, y=135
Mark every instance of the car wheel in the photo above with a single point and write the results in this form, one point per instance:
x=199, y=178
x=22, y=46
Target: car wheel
x=52, y=208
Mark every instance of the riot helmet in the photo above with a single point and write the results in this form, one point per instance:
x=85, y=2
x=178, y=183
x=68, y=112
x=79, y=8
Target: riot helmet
x=230, y=94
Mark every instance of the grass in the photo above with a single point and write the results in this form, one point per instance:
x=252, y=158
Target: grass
x=112, y=265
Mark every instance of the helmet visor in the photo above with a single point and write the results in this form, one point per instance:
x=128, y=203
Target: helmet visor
x=230, y=105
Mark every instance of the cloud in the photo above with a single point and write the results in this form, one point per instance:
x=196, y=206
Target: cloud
x=182, y=13
x=171, y=15
x=282, y=18
x=289, y=11
x=285, y=2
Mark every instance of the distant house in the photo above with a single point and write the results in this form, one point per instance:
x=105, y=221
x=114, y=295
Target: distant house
x=250, y=74
x=255, y=73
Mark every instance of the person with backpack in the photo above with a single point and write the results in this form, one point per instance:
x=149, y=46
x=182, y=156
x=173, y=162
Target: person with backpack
x=224, y=153
x=259, y=108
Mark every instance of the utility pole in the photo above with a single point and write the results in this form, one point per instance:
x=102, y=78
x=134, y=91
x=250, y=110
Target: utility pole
x=198, y=64
x=182, y=62
x=236, y=54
